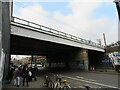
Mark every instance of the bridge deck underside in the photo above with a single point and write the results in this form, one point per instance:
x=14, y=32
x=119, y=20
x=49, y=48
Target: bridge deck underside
x=28, y=46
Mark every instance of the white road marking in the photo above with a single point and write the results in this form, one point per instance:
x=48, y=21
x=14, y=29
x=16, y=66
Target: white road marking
x=74, y=87
x=81, y=87
x=90, y=82
x=85, y=78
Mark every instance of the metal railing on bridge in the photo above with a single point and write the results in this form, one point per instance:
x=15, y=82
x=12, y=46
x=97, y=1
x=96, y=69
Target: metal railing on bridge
x=57, y=33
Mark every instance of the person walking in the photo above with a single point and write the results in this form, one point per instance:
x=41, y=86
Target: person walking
x=11, y=70
x=30, y=74
x=25, y=74
x=35, y=70
x=18, y=76
x=15, y=77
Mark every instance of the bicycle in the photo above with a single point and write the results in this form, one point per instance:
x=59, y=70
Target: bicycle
x=48, y=82
x=61, y=84
x=58, y=83
x=64, y=85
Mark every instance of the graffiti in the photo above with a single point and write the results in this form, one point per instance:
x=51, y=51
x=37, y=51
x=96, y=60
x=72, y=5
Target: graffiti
x=106, y=61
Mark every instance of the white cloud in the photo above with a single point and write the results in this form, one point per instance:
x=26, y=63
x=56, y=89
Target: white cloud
x=33, y=13
x=80, y=22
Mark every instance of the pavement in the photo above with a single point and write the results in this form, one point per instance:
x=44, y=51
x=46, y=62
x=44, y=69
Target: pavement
x=32, y=84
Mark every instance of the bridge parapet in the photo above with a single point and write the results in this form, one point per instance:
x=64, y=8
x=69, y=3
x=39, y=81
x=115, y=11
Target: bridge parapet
x=54, y=32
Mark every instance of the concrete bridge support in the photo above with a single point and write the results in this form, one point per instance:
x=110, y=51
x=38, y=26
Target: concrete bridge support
x=84, y=58
x=72, y=59
x=4, y=40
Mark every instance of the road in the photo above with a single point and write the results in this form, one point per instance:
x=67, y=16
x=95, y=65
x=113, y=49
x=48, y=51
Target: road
x=78, y=79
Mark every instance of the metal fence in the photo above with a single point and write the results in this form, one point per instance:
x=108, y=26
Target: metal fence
x=54, y=32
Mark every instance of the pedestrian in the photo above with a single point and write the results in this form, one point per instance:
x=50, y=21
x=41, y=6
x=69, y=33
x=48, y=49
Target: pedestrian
x=25, y=74
x=15, y=77
x=18, y=76
x=35, y=70
x=11, y=70
x=30, y=75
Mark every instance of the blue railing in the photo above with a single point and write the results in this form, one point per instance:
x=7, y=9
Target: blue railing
x=51, y=31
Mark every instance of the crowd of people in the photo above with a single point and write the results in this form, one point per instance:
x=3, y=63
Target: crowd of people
x=22, y=73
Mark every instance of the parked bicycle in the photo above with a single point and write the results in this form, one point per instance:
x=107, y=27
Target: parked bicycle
x=48, y=82
x=61, y=84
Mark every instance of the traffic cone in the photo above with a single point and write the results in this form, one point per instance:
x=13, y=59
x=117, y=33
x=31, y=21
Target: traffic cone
x=92, y=68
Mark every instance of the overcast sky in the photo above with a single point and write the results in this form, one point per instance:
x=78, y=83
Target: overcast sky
x=87, y=19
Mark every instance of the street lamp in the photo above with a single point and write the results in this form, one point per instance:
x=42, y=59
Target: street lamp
x=117, y=2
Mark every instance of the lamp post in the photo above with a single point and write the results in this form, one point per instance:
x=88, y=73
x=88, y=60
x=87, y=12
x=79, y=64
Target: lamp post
x=117, y=2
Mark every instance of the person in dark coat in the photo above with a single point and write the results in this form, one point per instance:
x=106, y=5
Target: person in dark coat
x=35, y=70
x=25, y=74
x=11, y=70
x=30, y=77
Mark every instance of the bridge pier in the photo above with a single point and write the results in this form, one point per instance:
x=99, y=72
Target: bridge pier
x=71, y=59
x=4, y=41
x=82, y=58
